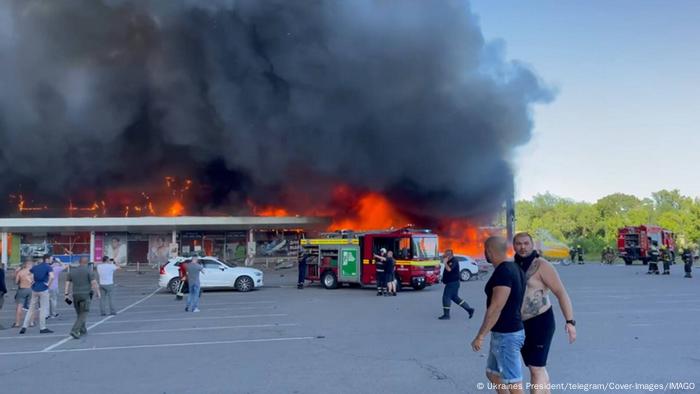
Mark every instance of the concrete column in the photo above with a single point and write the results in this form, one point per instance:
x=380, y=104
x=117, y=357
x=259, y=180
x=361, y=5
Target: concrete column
x=173, y=240
x=92, y=246
x=250, y=249
x=4, y=250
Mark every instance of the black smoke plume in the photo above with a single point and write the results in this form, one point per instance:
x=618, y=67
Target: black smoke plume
x=264, y=101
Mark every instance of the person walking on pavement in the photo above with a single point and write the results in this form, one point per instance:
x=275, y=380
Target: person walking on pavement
x=57, y=266
x=579, y=252
x=451, y=291
x=3, y=291
x=80, y=287
x=194, y=269
x=42, y=276
x=504, y=297
x=303, y=257
x=687, y=257
x=23, y=296
x=536, y=312
x=105, y=272
x=572, y=254
x=666, y=259
x=380, y=271
x=653, y=258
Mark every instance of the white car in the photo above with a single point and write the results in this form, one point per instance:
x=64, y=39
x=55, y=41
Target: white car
x=468, y=267
x=216, y=274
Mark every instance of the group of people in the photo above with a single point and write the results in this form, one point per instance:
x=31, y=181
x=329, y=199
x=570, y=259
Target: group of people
x=189, y=273
x=519, y=315
x=659, y=254
x=37, y=295
x=664, y=255
x=576, y=253
x=386, y=272
x=385, y=265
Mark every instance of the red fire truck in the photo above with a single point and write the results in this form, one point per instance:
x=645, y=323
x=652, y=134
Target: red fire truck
x=347, y=257
x=635, y=242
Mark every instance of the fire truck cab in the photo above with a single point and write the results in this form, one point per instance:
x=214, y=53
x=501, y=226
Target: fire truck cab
x=635, y=242
x=347, y=257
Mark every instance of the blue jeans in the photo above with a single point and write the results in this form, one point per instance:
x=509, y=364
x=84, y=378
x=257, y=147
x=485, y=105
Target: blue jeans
x=193, y=296
x=504, y=356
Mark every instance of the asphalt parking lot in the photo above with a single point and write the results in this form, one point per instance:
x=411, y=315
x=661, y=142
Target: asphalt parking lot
x=632, y=329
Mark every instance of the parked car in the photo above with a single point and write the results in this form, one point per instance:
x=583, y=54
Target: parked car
x=468, y=267
x=216, y=274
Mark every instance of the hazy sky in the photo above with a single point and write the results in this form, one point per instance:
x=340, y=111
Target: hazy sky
x=628, y=108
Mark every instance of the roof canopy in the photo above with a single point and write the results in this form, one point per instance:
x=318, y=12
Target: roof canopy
x=151, y=224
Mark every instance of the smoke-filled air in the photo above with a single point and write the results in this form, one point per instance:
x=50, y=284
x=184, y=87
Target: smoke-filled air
x=309, y=106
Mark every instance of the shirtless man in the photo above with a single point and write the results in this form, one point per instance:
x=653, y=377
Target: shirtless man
x=537, y=314
x=23, y=280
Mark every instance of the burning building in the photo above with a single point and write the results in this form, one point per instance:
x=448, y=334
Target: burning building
x=371, y=113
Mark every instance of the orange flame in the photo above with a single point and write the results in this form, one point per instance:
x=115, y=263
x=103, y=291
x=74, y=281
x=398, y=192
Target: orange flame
x=466, y=238
x=372, y=211
x=176, y=209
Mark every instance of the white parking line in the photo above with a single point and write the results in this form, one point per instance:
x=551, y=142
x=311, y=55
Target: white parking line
x=181, y=304
x=204, y=300
x=68, y=338
x=198, y=318
x=163, y=330
x=92, y=349
x=105, y=320
x=179, y=310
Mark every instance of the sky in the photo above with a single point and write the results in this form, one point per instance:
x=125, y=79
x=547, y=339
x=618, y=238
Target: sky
x=627, y=113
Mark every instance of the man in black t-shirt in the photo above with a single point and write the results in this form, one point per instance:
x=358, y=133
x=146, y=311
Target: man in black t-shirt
x=504, y=297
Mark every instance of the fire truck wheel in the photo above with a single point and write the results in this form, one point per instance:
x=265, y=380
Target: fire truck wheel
x=628, y=262
x=329, y=280
x=173, y=285
x=398, y=284
x=645, y=261
x=244, y=283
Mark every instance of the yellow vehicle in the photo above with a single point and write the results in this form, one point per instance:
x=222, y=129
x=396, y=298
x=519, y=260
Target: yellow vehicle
x=549, y=247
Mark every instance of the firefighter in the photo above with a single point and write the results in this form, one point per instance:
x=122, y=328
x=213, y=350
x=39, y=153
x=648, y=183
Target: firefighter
x=579, y=252
x=572, y=254
x=653, y=258
x=687, y=257
x=666, y=259
x=303, y=257
x=450, y=294
x=379, y=266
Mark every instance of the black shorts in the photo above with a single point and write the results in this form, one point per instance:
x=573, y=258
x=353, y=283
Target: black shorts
x=539, y=332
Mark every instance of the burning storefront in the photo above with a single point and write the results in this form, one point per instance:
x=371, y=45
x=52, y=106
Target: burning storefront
x=153, y=240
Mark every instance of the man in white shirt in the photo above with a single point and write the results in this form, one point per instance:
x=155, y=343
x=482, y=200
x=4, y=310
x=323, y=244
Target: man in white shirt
x=105, y=271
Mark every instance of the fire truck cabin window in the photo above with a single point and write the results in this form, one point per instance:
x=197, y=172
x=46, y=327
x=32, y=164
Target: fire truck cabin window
x=425, y=247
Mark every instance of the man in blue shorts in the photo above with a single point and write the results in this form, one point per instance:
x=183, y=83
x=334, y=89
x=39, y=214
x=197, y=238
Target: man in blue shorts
x=504, y=297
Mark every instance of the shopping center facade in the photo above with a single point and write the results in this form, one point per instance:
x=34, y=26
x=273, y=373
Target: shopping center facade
x=141, y=241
